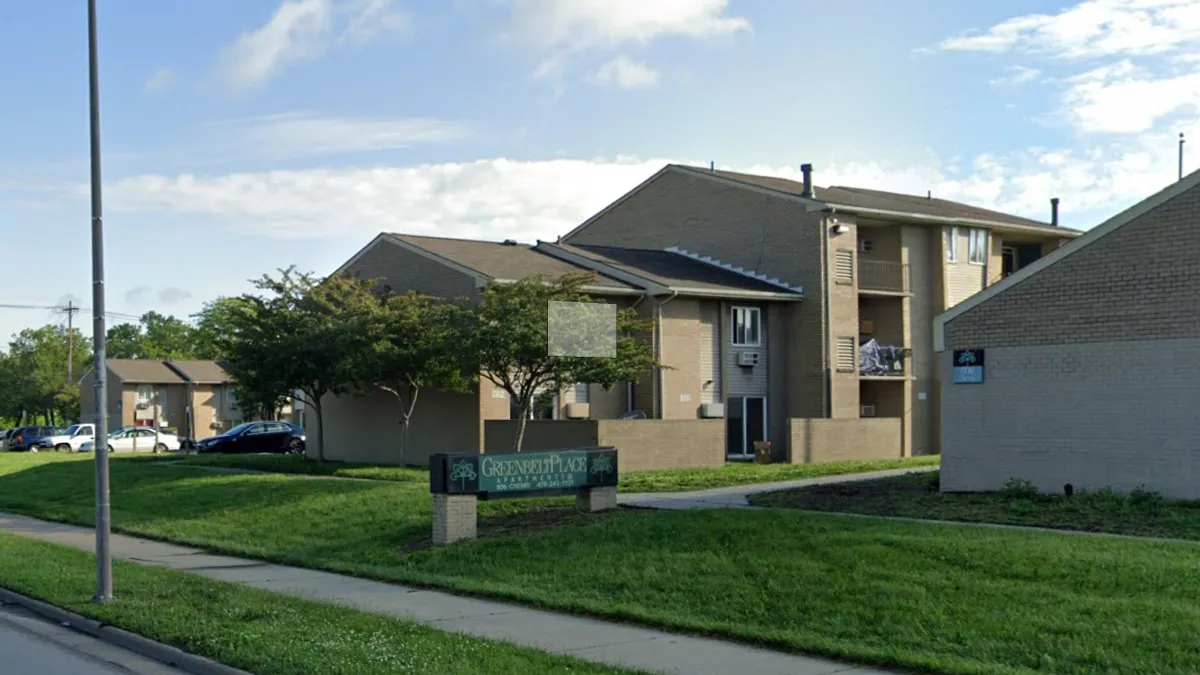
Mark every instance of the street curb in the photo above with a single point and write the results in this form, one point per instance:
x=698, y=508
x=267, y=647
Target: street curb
x=166, y=654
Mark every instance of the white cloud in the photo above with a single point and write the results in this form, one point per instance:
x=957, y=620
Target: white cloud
x=582, y=24
x=161, y=79
x=302, y=30
x=1017, y=75
x=526, y=200
x=297, y=134
x=1094, y=28
x=1121, y=98
x=565, y=28
x=625, y=73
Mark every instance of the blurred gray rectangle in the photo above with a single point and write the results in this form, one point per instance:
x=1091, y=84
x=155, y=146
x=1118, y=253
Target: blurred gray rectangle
x=582, y=329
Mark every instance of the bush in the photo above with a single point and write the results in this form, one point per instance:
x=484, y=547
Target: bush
x=1146, y=499
x=1019, y=487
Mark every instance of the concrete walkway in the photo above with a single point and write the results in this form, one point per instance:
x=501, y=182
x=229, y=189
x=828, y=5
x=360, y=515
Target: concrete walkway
x=738, y=496
x=593, y=640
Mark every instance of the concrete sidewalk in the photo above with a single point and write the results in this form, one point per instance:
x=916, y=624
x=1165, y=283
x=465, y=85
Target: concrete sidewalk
x=590, y=639
x=738, y=496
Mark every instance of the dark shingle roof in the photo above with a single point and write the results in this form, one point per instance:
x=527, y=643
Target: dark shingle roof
x=202, y=372
x=501, y=261
x=886, y=201
x=143, y=371
x=672, y=269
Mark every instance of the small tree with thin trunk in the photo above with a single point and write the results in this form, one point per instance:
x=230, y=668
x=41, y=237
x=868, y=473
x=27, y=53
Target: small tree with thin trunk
x=510, y=339
x=418, y=347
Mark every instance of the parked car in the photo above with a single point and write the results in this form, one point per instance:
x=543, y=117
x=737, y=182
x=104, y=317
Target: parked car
x=71, y=439
x=3, y=438
x=257, y=437
x=140, y=439
x=24, y=439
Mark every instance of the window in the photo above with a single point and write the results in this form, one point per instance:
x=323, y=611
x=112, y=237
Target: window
x=977, y=246
x=747, y=326
x=581, y=392
x=145, y=394
x=952, y=244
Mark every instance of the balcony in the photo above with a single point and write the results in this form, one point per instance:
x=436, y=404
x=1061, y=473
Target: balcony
x=882, y=361
x=883, y=277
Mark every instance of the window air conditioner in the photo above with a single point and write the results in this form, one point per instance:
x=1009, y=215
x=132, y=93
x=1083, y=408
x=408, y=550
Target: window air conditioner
x=747, y=359
x=867, y=410
x=712, y=410
x=866, y=245
x=578, y=411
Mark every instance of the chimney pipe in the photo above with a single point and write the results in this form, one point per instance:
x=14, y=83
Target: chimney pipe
x=1054, y=211
x=806, y=170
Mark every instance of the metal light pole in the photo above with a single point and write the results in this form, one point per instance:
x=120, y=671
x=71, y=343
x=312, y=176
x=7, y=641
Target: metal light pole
x=104, y=582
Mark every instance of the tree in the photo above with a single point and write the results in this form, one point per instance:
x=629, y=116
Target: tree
x=155, y=336
x=509, y=337
x=418, y=347
x=125, y=341
x=214, y=327
x=35, y=374
x=306, y=335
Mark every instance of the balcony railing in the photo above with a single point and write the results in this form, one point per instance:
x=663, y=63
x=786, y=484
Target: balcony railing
x=878, y=275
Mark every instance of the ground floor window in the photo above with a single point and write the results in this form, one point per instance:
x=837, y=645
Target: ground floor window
x=745, y=423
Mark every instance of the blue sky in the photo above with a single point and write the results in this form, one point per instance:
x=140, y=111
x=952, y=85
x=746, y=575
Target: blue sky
x=241, y=136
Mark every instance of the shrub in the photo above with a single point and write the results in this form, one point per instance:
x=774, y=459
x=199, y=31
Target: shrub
x=1019, y=487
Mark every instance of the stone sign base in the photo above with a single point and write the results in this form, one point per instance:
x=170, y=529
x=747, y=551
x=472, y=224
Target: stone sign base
x=455, y=517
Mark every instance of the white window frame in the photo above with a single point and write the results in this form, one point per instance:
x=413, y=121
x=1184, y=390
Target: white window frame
x=745, y=313
x=951, y=238
x=977, y=242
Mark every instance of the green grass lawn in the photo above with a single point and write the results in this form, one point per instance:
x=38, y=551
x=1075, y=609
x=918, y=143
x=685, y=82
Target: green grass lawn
x=677, y=480
x=259, y=631
x=949, y=600
x=917, y=496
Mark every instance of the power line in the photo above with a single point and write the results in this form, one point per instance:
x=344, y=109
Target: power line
x=64, y=309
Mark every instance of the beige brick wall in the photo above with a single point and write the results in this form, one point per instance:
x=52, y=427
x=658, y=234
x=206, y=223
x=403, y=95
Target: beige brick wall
x=814, y=441
x=767, y=233
x=1095, y=415
x=642, y=445
x=1137, y=283
x=843, y=323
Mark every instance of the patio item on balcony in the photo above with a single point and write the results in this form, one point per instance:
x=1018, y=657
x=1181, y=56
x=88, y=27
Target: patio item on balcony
x=877, y=359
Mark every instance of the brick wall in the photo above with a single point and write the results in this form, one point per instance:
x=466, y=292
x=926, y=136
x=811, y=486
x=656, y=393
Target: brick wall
x=1095, y=415
x=767, y=233
x=814, y=441
x=1138, y=282
x=404, y=271
x=642, y=445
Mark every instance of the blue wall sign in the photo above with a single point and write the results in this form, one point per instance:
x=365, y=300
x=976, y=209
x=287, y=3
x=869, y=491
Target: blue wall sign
x=968, y=366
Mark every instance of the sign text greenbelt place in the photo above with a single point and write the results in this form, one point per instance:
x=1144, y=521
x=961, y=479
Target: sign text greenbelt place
x=524, y=473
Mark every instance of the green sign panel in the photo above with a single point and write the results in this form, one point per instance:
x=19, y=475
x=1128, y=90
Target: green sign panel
x=523, y=473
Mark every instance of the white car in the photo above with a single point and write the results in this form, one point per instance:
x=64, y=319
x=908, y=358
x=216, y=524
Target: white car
x=72, y=439
x=139, y=439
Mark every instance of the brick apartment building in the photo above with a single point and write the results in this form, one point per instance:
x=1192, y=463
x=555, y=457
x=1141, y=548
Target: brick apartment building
x=1081, y=369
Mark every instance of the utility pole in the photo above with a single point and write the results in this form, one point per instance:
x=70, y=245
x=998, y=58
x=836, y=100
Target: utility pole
x=70, y=310
x=104, y=581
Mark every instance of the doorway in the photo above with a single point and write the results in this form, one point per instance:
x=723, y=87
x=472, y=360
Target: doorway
x=745, y=423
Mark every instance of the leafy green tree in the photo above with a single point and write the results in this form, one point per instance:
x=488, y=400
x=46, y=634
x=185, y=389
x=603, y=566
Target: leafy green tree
x=36, y=371
x=125, y=341
x=509, y=337
x=154, y=336
x=418, y=347
x=306, y=334
x=214, y=326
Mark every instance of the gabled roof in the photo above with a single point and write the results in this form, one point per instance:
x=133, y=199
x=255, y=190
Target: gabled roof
x=143, y=371
x=852, y=198
x=501, y=261
x=674, y=271
x=201, y=372
x=1054, y=257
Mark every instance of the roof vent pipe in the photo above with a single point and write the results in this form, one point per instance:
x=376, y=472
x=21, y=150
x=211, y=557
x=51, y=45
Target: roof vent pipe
x=806, y=170
x=1054, y=211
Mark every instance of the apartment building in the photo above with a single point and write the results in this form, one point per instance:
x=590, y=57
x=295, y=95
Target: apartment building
x=873, y=265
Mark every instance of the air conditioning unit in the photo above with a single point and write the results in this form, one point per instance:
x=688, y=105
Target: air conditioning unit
x=747, y=359
x=866, y=245
x=867, y=410
x=712, y=410
x=578, y=411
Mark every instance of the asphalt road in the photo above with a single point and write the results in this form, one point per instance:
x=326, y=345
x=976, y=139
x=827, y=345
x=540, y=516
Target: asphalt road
x=30, y=645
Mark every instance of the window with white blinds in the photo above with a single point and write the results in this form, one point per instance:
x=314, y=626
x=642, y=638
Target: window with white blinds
x=847, y=354
x=843, y=265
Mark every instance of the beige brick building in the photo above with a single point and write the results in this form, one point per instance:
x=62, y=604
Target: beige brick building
x=762, y=292
x=1088, y=362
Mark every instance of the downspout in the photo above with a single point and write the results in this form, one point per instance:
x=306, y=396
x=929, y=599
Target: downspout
x=661, y=394
x=825, y=309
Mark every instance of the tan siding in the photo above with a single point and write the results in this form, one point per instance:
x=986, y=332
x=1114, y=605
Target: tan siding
x=681, y=354
x=771, y=234
x=1137, y=283
x=844, y=323
x=920, y=310
x=403, y=270
x=741, y=381
x=963, y=280
x=710, y=356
